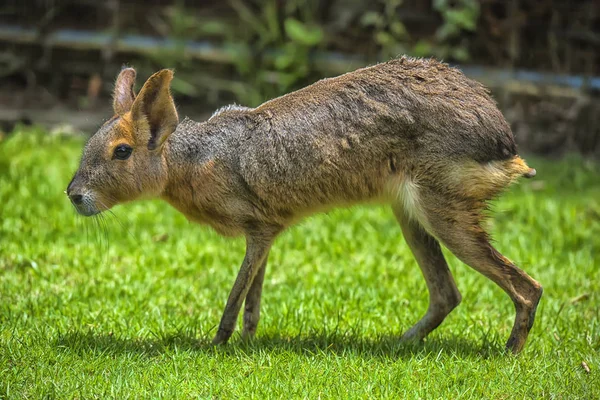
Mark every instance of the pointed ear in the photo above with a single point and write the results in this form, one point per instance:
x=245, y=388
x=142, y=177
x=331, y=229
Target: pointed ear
x=154, y=111
x=123, y=95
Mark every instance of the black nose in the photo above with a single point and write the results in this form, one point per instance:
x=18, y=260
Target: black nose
x=77, y=199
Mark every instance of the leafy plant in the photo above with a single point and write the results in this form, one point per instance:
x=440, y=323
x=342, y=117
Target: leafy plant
x=388, y=31
x=460, y=17
x=271, y=42
x=275, y=55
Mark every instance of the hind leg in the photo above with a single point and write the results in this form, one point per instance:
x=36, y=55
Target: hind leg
x=252, y=306
x=443, y=293
x=458, y=227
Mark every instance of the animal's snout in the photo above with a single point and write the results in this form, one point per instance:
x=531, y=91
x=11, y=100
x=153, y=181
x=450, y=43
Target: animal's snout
x=76, y=199
x=74, y=189
x=84, y=203
x=81, y=197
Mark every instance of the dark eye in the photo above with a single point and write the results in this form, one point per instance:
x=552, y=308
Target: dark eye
x=122, y=152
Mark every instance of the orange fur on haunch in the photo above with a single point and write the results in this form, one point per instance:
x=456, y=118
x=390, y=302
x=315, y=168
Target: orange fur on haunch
x=412, y=133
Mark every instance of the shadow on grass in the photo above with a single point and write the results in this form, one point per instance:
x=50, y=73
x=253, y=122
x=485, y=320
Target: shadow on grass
x=384, y=347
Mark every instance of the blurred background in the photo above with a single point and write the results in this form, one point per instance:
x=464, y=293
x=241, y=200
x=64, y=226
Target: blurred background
x=59, y=58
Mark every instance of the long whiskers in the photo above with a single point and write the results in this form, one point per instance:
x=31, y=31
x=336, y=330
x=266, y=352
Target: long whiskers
x=103, y=238
x=79, y=223
x=101, y=235
x=100, y=226
x=117, y=218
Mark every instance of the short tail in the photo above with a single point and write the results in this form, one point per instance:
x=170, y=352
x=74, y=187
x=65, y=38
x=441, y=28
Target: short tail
x=486, y=181
x=520, y=168
x=531, y=173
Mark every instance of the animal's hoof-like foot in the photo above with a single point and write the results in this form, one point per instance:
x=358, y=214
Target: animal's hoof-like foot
x=412, y=336
x=248, y=335
x=221, y=337
x=515, y=344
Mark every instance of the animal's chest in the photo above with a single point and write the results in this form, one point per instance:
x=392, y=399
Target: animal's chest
x=223, y=222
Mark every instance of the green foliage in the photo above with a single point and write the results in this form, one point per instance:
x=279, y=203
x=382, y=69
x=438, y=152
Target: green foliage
x=303, y=34
x=178, y=26
x=124, y=306
x=459, y=17
x=272, y=60
x=269, y=46
x=271, y=43
x=388, y=31
x=449, y=43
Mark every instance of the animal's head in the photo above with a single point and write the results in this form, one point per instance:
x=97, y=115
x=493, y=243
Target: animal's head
x=124, y=160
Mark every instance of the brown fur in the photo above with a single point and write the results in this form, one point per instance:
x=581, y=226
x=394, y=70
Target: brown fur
x=412, y=133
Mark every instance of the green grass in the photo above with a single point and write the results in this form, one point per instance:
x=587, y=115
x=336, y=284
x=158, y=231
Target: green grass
x=102, y=308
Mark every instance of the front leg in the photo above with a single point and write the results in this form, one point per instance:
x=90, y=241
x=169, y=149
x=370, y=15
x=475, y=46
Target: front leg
x=257, y=250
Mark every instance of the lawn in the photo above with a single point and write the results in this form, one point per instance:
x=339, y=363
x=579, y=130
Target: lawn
x=124, y=306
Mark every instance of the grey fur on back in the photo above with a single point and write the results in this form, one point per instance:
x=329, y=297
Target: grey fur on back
x=337, y=141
